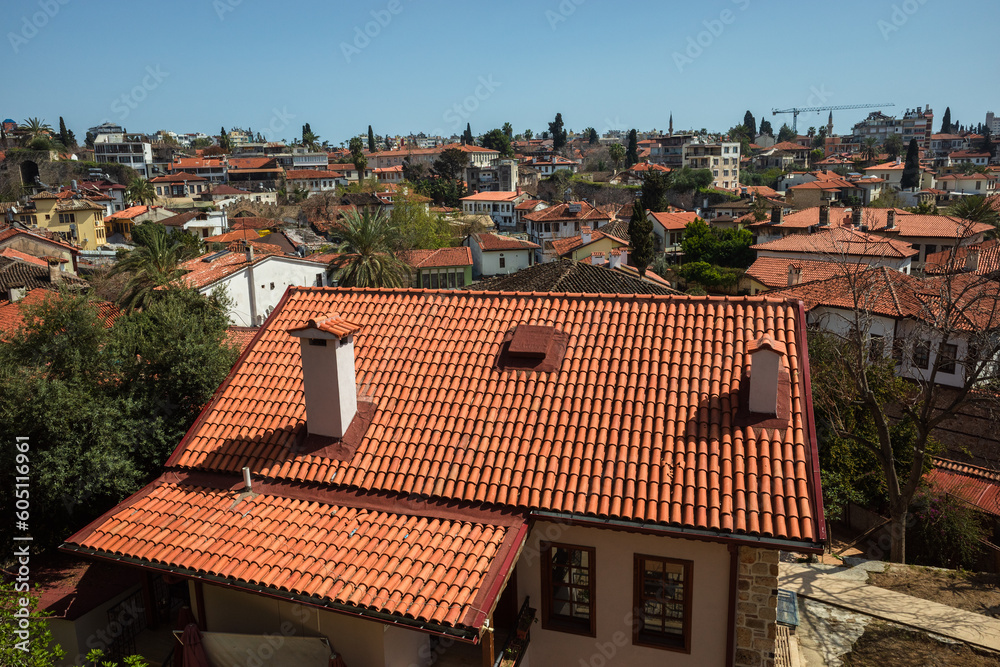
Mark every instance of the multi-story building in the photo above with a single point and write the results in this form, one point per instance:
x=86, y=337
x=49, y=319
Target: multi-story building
x=501, y=177
x=478, y=156
x=993, y=122
x=559, y=222
x=915, y=124
x=106, y=128
x=669, y=151
x=722, y=158
x=213, y=169
x=498, y=205
x=124, y=149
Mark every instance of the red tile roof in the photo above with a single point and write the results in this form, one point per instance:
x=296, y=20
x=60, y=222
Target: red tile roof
x=411, y=559
x=11, y=317
x=674, y=221
x=980, y=487
x=773, y=271
x=128, y=214
x=249, y=222
x=24, y=257
x=561, y=212
x=307, y=174
x=238, y=163
x=944, y=262
x=492, y=196
x=424, y=259
x=653, y=468
x=840, y=241
x=201, y=273
x=179, y=177
x=223, y=189
x=489, y=242
x=11, y=232
x=566, y=246
x=240, y=337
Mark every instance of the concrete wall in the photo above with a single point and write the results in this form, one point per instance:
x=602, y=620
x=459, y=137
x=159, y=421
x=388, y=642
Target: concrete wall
x=488, y=263
x=614, y=552
x=93, y=629
x=255, y=290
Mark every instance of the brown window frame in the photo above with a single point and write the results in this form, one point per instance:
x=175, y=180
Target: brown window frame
x=642, y=637
x=559, y=622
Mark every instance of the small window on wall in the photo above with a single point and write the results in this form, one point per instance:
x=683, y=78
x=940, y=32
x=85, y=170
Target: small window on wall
x=921, y=355
x=568, y=589
x=662, y=607
x=503, y=262
x=948, y=357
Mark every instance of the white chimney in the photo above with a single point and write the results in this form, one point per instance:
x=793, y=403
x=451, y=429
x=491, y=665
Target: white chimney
x=55, y=275
x=331, y=394
x=971, y=259
x=616, y=258
x=16, y=292
x=766, y=356
x=794, y=275
x=585, y=233
x=247, y=483
x=249, y=253
x=597, y=258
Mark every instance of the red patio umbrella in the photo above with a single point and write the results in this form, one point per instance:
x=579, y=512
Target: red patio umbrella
x=191, y=648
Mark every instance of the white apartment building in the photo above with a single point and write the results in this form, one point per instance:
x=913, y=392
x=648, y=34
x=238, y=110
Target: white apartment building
x=722, y=158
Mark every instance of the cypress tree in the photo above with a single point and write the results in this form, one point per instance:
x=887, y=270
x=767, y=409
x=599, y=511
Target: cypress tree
x=946, y=121
x=640, y=235
x=911, y=168
x=632, y=152
x=371, y=140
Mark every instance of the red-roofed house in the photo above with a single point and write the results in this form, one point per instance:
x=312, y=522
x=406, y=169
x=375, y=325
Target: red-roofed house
x=212, y=169
x=561, y=221
x=497, y=254
x=588, y=242
x=841, y=244
x=388, y=466
x=498, y=205
x=668, y=228
x=892, y=174
x=180, y=184
x=444, y=268
x=42, y=247
x=967, y=184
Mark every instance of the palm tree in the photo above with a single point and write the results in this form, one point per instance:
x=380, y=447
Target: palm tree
x=508, y=129
x=36, y=128
x=140, y=191
x=370, y=244
x=869, y=150
x=154, y=262
x=976, y=209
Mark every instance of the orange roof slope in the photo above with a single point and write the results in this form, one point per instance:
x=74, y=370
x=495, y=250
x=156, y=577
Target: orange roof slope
x=639, y=422
x=425, y=259
x=395, y=559
x=840, y=241
x=977, y=486
x=773, y=271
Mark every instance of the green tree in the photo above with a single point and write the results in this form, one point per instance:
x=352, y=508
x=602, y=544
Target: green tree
x=451, y=164
x=640, y=234
x=88, y=139
x=528, y=134
x=224, y=142
x=558, y=132
x=687, y=179
x=35, y=647
x=893, y=145
x=416, y=226
x=742, y=135
x=153, y=264
x=786, y=133
x=199, y=143
x=370, y=243
x=36, y=128
x=728, y=248
x=869, y=149
x=632, y=152
x=760, y=209
x=592, y=137
x=946, y=121
x=371, y=140
x=358, y=159
x=508, y=129
x=911, y=169
x=617, y=153
x=976, y=209
x=309, y=138
x=140, y=191
x=765, y=127
x=467, y=138
x=986, y=144
x=498, y=141
x=749, y=123
x=63, y=133
x=655, y=185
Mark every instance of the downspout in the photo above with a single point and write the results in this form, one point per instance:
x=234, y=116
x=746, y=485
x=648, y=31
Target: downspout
x=734, y=575
x=252, y=293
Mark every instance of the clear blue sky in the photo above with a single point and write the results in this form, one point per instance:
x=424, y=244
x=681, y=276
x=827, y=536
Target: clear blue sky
x=432, y=66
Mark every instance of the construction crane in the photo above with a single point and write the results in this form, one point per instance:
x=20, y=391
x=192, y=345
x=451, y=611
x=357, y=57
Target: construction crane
x=795, y=111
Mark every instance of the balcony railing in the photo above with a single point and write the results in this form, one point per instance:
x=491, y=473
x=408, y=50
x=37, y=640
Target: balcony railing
x=516, y=646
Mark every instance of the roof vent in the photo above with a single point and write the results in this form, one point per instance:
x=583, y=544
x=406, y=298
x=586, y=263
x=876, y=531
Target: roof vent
x=532, y=347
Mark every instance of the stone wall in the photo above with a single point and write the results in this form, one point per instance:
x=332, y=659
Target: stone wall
x=756, y=607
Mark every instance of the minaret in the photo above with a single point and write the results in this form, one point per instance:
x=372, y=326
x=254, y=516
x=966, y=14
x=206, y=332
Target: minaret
x=670, y=131
x=829, y=125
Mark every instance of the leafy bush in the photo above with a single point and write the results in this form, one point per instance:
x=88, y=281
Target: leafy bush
x=728, y=247
x=947, y=531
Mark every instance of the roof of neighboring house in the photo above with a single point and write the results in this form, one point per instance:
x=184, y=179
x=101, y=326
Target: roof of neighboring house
x=11, y=232
x=180, y=219
x=759, y=190
x=944, y=261
x=618, y=228
x=305, y=174
x=240, y=337
x=489, y=242
x=78, y=205
x=568, y=245
x=492, y=196
x=567, y=275
x=203, y=271
x=980, y=487
x=251, y=222
x=528, y=204
x=639, y=421
x=442, y=257
x=128, y=213
x=560, y=212
x=787, y=146
x=246, y=234
x=674, y=221
x=840, y=241
x=11, y=253
x=254, y=163
x=648, y=166
x=12, y=317
x=179, y=177
x=20, y=273
x=773, y=271
x=967, y=177
x=223, y=189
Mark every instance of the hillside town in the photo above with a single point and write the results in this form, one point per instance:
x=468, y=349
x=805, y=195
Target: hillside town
x=500, y=397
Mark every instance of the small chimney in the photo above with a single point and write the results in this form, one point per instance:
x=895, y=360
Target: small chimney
x=899, y=160
x=766, y=356
x=73, y=186
x=856, y=216
x=328, y=382
x=890, y=219
x=597, y=258
x=16, y=292
x=249, y=251
x=55, y=275
x=794, y=275
x=777, y=215
x=247, y=484
x=824, y=215
x=585, y=233
x=971, y=258
x=616, y=258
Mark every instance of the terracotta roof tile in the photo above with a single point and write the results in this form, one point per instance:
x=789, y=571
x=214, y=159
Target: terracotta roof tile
x=490, y=242
x=179, y=177
x=675, y=221
x=561, y=212
x=980, y=487
x=419, y=259
x=773, y=271
x=655, y=465
x=943, y=261
x=565, y=246
x=840, y=241
x=410, y=559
